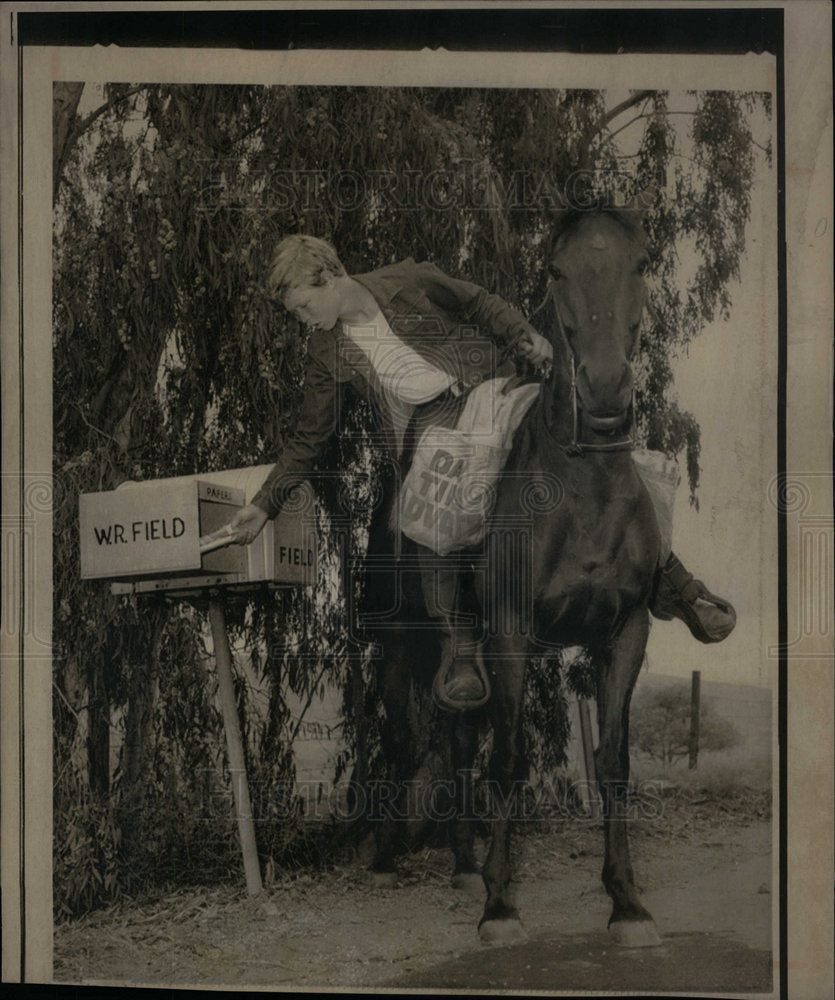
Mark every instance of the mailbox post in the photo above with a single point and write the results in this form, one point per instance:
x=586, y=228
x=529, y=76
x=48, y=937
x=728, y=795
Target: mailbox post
x=153, y=537
x=234, y=746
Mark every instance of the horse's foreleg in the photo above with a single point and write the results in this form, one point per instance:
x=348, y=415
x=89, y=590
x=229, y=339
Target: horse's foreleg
x=464, y=729
x=500, y=921
x=394, y=679
x=630, y=923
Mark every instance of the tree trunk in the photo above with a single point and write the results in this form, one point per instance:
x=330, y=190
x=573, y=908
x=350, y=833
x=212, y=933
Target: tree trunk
x=359, y=776
x=65, y=101
x=98, y=728
x=137, y=751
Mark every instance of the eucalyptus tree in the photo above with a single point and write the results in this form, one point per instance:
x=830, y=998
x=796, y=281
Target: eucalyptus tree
x=169, y=358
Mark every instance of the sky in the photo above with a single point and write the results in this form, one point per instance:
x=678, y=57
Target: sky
x=727, y=380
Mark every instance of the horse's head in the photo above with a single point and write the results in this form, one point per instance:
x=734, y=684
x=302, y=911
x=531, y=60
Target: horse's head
x=597, y=263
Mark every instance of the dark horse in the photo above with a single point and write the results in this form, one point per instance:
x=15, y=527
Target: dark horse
x=591, y=556
x=580, y=555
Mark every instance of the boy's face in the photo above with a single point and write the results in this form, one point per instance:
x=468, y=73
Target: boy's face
x=315, y=305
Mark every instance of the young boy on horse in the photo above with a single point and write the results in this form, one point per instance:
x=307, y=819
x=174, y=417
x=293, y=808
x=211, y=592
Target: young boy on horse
x=415, y=342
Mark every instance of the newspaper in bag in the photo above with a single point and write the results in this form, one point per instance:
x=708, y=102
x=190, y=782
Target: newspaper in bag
x=661, y=477
x=450, y=489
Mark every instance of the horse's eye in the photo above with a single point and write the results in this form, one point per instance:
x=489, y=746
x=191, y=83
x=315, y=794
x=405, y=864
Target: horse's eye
x=643, y=266
x=555, y=272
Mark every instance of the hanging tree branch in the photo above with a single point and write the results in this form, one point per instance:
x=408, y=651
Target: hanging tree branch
x=637, y=118
x=584, y=146
x=85, y=123
x=65, y=105
x=618, y=109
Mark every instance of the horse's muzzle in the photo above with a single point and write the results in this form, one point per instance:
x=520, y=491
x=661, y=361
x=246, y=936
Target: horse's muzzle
x=606, y=423
x=605, y=396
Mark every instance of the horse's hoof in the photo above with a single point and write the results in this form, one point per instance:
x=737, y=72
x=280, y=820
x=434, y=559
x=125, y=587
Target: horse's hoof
x=470, y=882
x=635, y=933
x=499, y=932
x=383, y=880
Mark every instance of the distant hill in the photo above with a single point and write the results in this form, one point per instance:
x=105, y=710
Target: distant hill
x=749, y=708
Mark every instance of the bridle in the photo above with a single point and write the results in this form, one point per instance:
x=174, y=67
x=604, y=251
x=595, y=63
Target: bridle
x=576, y=448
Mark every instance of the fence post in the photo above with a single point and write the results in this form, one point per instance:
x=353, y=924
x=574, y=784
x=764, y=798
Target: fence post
x=695, y=690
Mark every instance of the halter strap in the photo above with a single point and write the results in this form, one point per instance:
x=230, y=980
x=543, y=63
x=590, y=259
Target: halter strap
x=577, y=448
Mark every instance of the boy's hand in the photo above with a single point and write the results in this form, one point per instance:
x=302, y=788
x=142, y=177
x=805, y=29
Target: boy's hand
x=534, y=348
x=247, y=524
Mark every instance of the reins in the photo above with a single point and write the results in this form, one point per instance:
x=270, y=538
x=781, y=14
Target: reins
x=576, y=448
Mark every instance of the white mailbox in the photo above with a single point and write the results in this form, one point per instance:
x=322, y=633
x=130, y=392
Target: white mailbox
x=145, y=536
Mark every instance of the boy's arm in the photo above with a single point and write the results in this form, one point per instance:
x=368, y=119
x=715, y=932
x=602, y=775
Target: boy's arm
x=475, y=305
x=317, y=421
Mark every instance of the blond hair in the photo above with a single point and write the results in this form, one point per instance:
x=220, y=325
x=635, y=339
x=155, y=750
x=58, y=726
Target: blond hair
x=300, y=260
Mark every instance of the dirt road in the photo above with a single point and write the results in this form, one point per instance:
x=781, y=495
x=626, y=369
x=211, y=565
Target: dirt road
x=708, y=887
x=716, y=937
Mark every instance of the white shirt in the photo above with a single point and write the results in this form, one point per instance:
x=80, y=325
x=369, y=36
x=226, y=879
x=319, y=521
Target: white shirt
x=402, y=371
x=406, y=379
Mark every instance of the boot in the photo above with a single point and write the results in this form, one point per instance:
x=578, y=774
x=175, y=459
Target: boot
x=461, y=682
x=679, y=595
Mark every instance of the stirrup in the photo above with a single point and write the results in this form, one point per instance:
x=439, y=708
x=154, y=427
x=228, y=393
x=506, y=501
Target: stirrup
x=448, y=704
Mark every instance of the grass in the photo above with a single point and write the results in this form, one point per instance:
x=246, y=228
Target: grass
x=730, y=784
x=724, y=772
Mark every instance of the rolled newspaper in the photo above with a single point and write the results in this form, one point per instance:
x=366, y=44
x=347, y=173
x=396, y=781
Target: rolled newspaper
x=217, y=540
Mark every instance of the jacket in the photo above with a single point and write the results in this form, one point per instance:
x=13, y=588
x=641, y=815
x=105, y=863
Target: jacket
x=455, y=324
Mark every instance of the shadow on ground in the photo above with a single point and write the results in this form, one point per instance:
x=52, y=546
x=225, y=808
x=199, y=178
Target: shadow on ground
x=684, y=963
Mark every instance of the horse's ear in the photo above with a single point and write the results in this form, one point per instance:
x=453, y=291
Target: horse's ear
x=558, y=217
x=643, y=200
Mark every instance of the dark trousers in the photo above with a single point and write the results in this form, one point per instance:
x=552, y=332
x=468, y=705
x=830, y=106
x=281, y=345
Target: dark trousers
x=406, y=583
